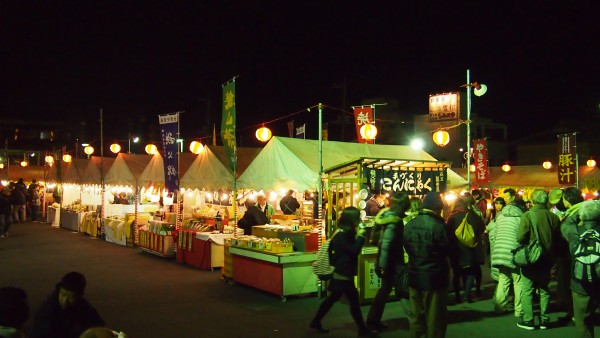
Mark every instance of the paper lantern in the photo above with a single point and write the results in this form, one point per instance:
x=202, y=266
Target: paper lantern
x=263, y=134
x=115, y=148
x=441, y=138
x=24, y=163
x=151, y=149
x=472, y=168
x=591, y=163
x=196, y=147
x=49, y=159
x=67, y=158
x=506, y=168
x=547, y=164
x=88, y=150
x=368, y=131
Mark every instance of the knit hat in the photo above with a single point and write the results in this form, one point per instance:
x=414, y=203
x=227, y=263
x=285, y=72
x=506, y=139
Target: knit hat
x=73, y=282
x=433, y=201
x=555, y=195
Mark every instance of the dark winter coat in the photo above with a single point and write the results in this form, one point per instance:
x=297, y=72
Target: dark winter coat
x=390, y=256
x=548, y=227
x=253, y=216
x=428, y=247
x=345, y=247
x=289, y=205
x=51, y=321
x=461, y=255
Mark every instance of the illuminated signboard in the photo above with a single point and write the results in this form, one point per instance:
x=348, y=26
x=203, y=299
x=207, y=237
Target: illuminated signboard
x=444, y=107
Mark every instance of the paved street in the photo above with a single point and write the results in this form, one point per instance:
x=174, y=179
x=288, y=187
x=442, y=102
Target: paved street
x=151, y=297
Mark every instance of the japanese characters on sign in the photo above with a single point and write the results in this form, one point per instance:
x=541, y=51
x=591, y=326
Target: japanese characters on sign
x=567, y=159
x=413, y=182
x=480, y=160
x=228, y=123
x=169, y=126
x=444, y=107
x=363, y=115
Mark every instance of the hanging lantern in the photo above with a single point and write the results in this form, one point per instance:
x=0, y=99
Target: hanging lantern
x=67, y=158
x=506, y=168
x=472, y=168
x=88, y=150
x=49, y=159
x=441, y=138
x=547, y=165
x=151, y=149
x=591, y=163
x=24, y=163
x=368, y=131
x=115, y=148
x=263, y=134
x=196, y=147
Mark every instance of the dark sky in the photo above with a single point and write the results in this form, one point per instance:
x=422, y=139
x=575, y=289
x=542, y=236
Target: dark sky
x=138, y=59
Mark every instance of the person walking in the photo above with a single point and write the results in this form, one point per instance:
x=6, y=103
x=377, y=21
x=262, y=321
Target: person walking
x=345, y=246
x=389, y=264
x=586, y=296
x=537, y=276
x=17, y=199
x=5, y=212
x=503, y=240
x=426, y=242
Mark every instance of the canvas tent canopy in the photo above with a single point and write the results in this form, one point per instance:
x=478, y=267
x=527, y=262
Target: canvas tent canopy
x=286, y=163
x=127, y=170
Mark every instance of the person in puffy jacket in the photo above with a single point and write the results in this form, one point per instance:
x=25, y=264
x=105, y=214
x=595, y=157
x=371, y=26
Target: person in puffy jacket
x=502, y=232
x=389, y=265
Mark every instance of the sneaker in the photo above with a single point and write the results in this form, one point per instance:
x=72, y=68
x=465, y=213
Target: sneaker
x=526, y=325
x=544, y=325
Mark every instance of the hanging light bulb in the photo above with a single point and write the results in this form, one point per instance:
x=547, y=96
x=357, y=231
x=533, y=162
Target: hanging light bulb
x=196, y=147
x=88, y=150
x=115, y=147
x=591, y=163
x=506, y=168
x=67, y=158
x=263, y=134
x=441, y=138
x=49, y=159
x=24, y=163
x=368, y=131
x=151, y=149
x=547, y=165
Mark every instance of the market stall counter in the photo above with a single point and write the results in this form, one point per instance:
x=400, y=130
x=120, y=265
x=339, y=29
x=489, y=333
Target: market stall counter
x=282, y=274
x=70, y=219
x=202, y=250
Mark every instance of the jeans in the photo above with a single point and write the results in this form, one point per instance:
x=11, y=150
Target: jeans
x=19, y=213
x=428, y=312
x=532, y=279
x=506, y=277
x=35, y=209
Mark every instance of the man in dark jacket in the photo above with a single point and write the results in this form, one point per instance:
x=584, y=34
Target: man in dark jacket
x=65, y=313
x=253, y=216
x=289, y=204
x=5, y=212
x=586, y=297
x=427, y=245
x=390, y=265
x=537, y=276
x=17, y=197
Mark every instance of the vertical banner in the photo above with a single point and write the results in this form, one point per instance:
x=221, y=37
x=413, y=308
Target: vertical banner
x=363, y=115
x=301, y=131
x=567, y=159
x=169, y=129
x=290, y=125
x=228, y=123
x=480, y=160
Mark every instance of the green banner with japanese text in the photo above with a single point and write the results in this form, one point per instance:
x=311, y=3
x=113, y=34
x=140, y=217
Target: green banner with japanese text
x=228, y=123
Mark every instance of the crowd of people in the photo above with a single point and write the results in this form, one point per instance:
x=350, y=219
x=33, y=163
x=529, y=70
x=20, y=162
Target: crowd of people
x=420, y=256
x=65, y=313
x=18, y=204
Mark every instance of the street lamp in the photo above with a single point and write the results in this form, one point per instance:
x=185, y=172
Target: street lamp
x=478, y=89
x=135, y=139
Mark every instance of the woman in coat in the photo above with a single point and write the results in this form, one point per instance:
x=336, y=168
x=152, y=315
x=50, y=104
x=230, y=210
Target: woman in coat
x=344, y=248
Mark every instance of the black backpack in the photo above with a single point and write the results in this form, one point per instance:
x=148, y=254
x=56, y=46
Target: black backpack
x=586, y=257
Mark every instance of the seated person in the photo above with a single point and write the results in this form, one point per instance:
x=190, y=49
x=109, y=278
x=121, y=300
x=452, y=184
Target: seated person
x=253, y=216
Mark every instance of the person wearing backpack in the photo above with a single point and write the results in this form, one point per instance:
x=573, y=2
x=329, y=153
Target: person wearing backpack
x=585, y=292
x=464, y=259
x=345, y=247
x=537, y=276
x=389, y=264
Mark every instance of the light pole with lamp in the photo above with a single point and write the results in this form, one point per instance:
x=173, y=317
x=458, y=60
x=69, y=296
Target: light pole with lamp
x=479, y=90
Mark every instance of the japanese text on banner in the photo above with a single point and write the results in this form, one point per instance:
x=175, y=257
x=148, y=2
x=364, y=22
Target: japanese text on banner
x=567, y=159
x=413, y=182
x=480, y=160
x=362, y=116
x=228, y=123
x=169, y=128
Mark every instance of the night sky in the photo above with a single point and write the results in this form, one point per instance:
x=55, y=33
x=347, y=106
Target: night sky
x=137, y=59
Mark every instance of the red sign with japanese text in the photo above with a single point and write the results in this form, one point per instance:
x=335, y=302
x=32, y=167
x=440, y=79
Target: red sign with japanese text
x=567, y=159
x=480, y=160
x=363, y=115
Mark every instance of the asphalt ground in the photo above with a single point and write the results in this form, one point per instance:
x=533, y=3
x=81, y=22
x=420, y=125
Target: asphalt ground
x=151, y=297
